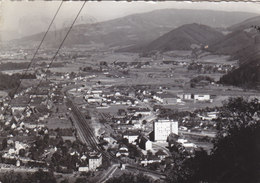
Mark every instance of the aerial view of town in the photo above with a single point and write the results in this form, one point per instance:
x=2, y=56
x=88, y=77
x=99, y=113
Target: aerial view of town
x=129, y=92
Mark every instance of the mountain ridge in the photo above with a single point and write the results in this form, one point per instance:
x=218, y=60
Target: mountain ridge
x=138, y=28
x=184, y=37
x=248, y=73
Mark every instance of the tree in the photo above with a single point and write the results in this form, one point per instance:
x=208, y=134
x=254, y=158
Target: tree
x=103, y=63
x=81, y=180
x=4, y=143
x=22, y=152
x=130, y=178
x=235, y=155
x=121, y=112
x=42, y=177
x=149, y=153
x=64, y=181
x=236, y=148
x=144, y=122
x=237, y=112
x=8, y=177
x=142, y=179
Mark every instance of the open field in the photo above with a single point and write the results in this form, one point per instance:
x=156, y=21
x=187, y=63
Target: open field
x=66, y=69
x=3, y=94
x=216, y=59
x=55, y=123
x=191, y=106
x=112, y=110
x=175, y=77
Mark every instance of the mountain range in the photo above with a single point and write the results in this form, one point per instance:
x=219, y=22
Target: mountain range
x=163, y=30
x=243, y=45
x=138, y=29
x=241, y=37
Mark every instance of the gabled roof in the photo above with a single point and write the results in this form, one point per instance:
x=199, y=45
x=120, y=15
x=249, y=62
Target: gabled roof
x=131, y=133
x=166, y=95
x=160, y=153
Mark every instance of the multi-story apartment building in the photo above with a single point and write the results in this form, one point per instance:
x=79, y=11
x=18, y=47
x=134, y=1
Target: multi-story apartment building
x=163, y=128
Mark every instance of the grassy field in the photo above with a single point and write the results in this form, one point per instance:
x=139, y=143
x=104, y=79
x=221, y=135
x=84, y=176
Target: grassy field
x=68, y=68
x=55, y=123
x=112, y=110
x=191, y=106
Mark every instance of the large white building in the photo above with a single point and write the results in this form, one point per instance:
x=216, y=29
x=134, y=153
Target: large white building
x=196, y=97
x=166, y=98
x=163, y=128
x=94, y=161
x=202, y=97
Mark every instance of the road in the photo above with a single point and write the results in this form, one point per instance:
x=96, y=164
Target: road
x=162, y=147
x=109, y=173
x=147, y=171
x=202, y=134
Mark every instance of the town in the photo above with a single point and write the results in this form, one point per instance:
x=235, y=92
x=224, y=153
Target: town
x=142, y=98
x=98, y=119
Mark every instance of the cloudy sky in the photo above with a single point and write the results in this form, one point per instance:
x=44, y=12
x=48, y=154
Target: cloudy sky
x=34, y=16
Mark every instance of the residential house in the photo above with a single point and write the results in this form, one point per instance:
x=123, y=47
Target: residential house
x=39, y=93
x=142, y=111
x=125, y=126
x=123, y=151
x=185, y=96
x=166, y=98
x=160, y=154
x=83, y=169
x=144, y=143
x=150, y=159
x=94, y=100
x=131, y=136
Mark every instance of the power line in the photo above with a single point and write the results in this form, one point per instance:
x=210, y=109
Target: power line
x=66, y=35
x=35, y=53
x=53, y=58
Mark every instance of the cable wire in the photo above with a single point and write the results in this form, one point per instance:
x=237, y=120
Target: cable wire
x=35, y=53
x=53, y=58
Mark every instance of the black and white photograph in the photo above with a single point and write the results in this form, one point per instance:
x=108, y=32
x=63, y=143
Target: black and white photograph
x=129, y=92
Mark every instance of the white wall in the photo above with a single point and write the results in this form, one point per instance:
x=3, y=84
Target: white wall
x=163, y=128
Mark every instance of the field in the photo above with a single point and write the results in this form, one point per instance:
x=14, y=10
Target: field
x=66, y=68
x=112, y=110
x=191, y=106
x=59, y=119
x=3, y=94
x=175, y=77
x=55, y=123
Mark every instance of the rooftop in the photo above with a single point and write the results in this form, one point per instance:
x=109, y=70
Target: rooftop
x=131, y=133
x=166, y=95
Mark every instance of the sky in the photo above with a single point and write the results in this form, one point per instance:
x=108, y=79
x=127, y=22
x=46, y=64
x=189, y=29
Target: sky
x=33, y=16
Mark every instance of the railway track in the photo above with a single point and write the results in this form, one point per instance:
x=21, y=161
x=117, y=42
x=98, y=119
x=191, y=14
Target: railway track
x=87, y=132
x=90, y=139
